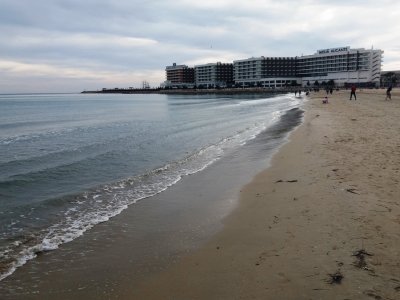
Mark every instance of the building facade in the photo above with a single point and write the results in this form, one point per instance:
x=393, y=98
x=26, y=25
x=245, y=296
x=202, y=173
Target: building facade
x=271, y=72
x=214, y=75
x=344, y=66
x=179, y=76
x=341, y=66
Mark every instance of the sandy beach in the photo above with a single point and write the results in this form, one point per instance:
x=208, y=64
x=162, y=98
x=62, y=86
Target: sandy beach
x=321, y=223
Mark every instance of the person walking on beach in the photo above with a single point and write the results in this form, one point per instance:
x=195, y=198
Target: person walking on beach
x=353, y=92
x=388, y=93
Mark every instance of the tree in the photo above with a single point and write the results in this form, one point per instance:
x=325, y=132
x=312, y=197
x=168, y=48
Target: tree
x=316, y=83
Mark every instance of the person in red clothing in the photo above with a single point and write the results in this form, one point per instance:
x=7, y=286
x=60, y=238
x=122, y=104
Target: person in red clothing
x=353, y=92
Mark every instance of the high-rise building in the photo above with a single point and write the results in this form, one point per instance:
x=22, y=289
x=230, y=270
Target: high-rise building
x=342, y=65
x=214, y=75
x=179, y=76
x=263, y=71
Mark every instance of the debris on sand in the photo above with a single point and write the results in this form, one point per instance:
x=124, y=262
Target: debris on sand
x=360, y=262
x=353, y=191
x=280, y=180
x=335, y=278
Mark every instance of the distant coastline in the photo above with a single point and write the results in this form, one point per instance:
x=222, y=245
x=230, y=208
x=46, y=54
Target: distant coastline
x=196, y=91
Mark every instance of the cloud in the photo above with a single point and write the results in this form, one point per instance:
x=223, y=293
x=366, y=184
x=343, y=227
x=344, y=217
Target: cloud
x=80, y=40
x=76, y=44
x=40, y=74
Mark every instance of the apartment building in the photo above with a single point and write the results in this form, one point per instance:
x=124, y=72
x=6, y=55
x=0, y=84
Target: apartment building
x=214, y=75
x=179, y=76
x=272, y=72
x=343, y=65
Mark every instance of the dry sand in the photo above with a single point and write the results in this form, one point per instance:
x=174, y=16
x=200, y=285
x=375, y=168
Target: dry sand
x=331, y=193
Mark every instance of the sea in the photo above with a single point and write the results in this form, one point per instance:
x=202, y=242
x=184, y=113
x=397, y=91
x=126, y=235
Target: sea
x=71, y=161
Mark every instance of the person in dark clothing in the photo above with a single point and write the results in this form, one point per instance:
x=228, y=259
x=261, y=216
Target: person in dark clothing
x=353, y=92
x=388, y=93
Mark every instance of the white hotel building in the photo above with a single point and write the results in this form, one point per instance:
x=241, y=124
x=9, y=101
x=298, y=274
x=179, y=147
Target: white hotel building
x=342, y=65
x=267, y=72
x=214, y=75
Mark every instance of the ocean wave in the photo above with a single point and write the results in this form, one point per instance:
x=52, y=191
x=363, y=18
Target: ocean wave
x=99, y=205
x=73, y=127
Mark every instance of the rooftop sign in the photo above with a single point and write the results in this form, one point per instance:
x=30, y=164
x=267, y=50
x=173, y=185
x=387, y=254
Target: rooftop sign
x=333, y=50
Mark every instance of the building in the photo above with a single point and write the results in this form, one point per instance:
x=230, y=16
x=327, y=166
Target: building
x=213, y=75
x=179, y=76
x=271, y=72
x=343, y=66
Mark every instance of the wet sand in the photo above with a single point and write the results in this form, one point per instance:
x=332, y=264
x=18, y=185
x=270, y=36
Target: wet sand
x=323, y=222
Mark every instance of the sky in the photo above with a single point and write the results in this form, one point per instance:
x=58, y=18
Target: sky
x=76, y=45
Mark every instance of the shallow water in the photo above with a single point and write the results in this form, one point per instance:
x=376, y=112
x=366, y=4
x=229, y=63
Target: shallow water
x=69, y=162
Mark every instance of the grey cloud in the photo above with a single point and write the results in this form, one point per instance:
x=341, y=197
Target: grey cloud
x=48, y=31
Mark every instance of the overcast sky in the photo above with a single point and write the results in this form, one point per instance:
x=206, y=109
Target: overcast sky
x=73, y=45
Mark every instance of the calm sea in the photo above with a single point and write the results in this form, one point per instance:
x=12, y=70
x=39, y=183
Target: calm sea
x=71, y=161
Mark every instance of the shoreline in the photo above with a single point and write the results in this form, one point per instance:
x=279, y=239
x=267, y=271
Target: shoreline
x=225, y=91
x=189, y=91
x=151, y=235
x=326, y=204
x=320, y=223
